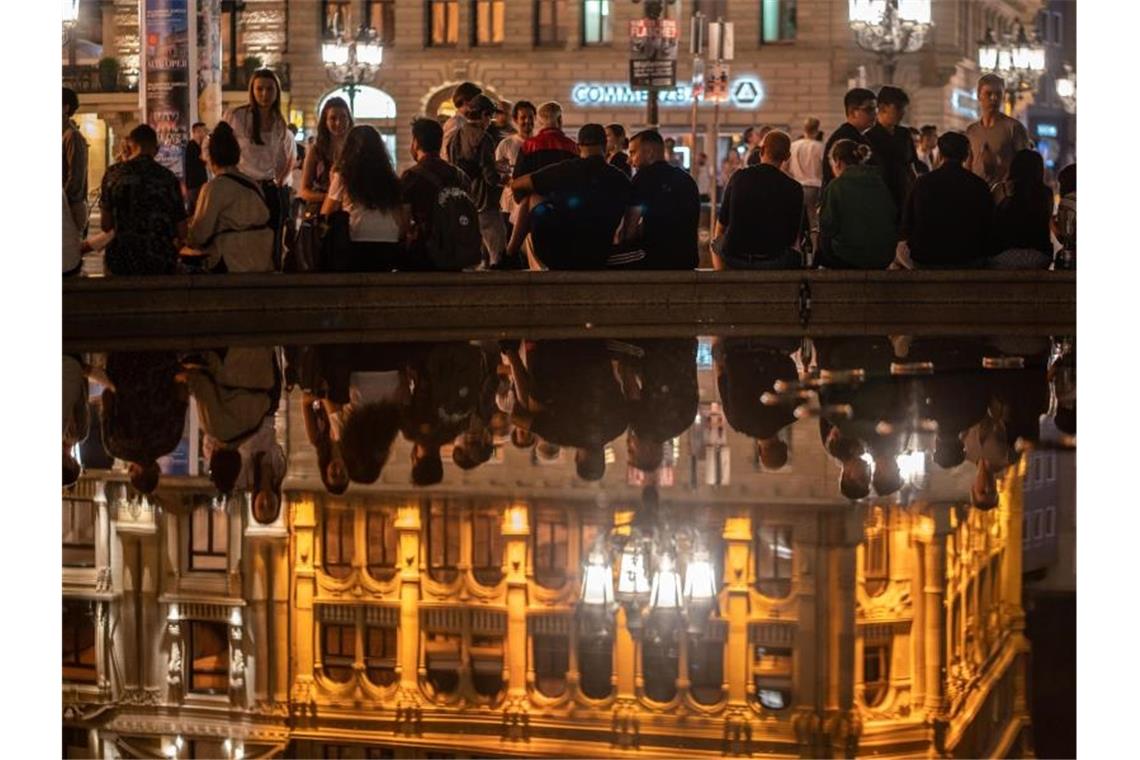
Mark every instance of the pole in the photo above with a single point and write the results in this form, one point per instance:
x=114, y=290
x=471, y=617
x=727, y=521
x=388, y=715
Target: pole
x=694, y=154
x=651, y=115
x=716, y=167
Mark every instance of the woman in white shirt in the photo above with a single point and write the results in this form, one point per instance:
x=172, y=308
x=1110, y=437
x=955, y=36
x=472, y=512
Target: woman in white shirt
x=267, y=147
x=365, y=185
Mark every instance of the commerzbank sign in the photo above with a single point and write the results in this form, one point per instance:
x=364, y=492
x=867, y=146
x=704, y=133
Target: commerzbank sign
x=744, y=92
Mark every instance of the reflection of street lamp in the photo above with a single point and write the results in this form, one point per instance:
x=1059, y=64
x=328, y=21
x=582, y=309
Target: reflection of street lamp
x=1067, y=89
x=1015, y=58
x=889, y=28
x=352, y=63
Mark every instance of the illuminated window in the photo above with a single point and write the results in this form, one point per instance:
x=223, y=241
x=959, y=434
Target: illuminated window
x=772, y=674
x=595, y=665
x=338, y=543
x=443, y=23
x=381, y=527
x=548, y=29
x=551, y=662
x=209, y=657
x=338, y=651
x=487, y=546
x=381, y=15
x=876, y=673
x=78, y=641
x=550, y=548
x=774, y=560
x=78, y=533
x=443, y=541
x=876, y=553
x=209, y=538
x=597, y=25
x=490, y=22
x=380, y=655
x=777, y=20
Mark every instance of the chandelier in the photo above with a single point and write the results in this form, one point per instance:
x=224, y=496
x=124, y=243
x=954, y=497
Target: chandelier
x=353, y=62
x=656, y=596
x=1015, y=58
x=889, y=28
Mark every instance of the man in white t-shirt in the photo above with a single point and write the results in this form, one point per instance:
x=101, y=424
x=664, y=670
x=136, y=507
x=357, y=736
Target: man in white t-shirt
x=507, y=154
x=806, y=167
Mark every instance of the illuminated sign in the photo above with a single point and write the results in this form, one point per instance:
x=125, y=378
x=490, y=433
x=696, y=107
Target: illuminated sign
x=964, y=103
x=745, y=92
x=1046, y=130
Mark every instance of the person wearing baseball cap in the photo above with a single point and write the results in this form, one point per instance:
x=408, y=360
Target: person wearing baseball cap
x=573, y=208
x=473, y=151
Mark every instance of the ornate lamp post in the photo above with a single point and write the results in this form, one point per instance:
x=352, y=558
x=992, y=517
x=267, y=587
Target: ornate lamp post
x=1015, y=58
x=889, y=28
x=351, y=63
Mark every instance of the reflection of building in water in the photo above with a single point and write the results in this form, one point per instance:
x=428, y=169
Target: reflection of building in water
x=429, y=623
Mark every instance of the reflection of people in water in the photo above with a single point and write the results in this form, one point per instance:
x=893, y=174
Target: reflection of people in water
x=659, y=379
x=236, y=389
x=76, y=419
x=144, y=412
x=745, y=370
x=568, y=394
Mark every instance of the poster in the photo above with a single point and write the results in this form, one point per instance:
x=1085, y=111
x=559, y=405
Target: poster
x=653, y=52
x=166, y=89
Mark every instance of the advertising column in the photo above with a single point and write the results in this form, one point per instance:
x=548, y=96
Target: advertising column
x=167, y=90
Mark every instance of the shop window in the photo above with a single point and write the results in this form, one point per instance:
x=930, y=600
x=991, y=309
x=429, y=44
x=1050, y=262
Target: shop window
x=876, y=553
x=209, y=538
x=78, y=533
x=443, y=541
x=487, y=546
x=380, y=655
x=338, y=651
x=490, y=22
x=774, y=561
x=78, y=641
x=338, y=543
x=381, y=528
x=597, y=24
x=381, y=15
x=442, y=660
x=443, y=23
x=209, y=657
x=551, y=662
x=551, y=546
x=233, y=43
x=487, y=665
x=876, y=673
x=595, y=666
x=772, y=676
x=706, y=669
x=777, y=20
x=548, y=27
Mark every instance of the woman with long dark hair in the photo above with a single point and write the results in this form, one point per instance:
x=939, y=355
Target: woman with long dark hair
x=364, y=184
x=267, y=147
x=332, y=128
x=1023, y=211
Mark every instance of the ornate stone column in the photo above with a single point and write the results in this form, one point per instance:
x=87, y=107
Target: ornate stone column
x=516, y=531
x=934, y=600
x=408, y=530
x=304, y=579
x=737, y=665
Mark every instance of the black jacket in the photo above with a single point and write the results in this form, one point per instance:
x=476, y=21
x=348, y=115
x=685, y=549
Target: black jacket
x=948, y=219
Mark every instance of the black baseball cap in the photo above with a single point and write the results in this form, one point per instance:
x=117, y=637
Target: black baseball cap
x=592, y=134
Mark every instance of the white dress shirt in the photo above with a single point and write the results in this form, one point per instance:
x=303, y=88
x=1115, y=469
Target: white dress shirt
x=268, y=161
x=806, y=162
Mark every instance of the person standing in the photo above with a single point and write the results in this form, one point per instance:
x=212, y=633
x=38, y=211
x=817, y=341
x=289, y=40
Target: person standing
x=463, y=94
x=506, y=157
x=141, y=202
x=472, y=150
x=268, y=150
x=74, y=162
x=994, y=137
x=615, y=149
x=927, y=148
x=892, y=147
x=857, y=221
x=194, y=165
x=806, y=167
x=704, y=178
x=859, y=105
x=761, y=212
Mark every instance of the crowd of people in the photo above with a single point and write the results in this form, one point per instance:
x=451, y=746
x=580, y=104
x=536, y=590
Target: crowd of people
x=502, y=186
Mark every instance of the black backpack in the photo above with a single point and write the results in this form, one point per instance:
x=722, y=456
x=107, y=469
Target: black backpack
x=455, y=241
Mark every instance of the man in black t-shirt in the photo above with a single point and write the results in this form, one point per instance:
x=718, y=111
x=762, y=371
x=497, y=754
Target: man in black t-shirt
x=420, y=187
x=574, y=207
x=892, y=148
x=762, y=213
x=859, y=105
x=667, y=205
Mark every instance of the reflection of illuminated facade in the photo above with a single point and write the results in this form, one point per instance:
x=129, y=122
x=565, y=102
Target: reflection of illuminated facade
x=401, y=623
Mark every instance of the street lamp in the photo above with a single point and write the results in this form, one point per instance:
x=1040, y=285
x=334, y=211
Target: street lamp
x=1067, y=89
x=351, y=63
x=1015, y=58
x=889, y=28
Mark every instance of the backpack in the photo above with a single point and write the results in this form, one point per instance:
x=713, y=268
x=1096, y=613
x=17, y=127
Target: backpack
x=455, y=241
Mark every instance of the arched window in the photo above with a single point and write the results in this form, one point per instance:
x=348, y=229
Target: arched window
x=659, y=659
x=338, y=542
x=772, y=676
x=595, y=665
x=443, y=660
x=487, y=545
x=380, y=654
x=876, y=672
x=550, y=547
x=774, y=555
x=443, y=541
x=381, y=527
x=706, y=664
x=338, y=650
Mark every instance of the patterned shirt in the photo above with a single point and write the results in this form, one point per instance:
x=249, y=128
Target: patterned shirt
x=142, y=201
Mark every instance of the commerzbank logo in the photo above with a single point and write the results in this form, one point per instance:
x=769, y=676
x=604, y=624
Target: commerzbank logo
x=744, y=92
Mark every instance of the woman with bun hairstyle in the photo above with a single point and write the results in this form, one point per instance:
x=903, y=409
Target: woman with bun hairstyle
x=857, y=218
x=268, y=150
x=230, y=227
